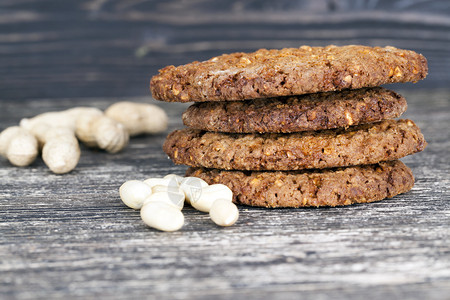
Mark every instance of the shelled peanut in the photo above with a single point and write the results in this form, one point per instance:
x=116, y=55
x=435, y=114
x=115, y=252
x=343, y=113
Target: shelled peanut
x=162, y=199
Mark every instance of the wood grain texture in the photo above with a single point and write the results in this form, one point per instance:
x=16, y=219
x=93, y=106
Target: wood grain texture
x=69, y=236
x=98, y=48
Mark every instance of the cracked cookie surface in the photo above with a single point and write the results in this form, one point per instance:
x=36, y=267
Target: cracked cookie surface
x=330, y=187
x=296, y=113
x=290, y=71
x=356, y=145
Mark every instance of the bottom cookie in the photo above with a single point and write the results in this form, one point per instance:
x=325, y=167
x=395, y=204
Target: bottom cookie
x=328, y=187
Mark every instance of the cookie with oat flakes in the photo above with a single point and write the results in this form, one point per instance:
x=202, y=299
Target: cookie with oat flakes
x=329, y=187
x=290, y=71
x=317, y=111
x=356, y=145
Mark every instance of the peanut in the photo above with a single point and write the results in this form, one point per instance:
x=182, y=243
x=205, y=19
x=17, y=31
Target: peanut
x=95, y=129
x=162, y=216
x=66, y=118
x=138, y=118
x=162, y=199
x=161, y=181
x=174, y=177
x=166, y=188
x=61, y=151
x=134, y=192
x=18, y=145
x=209, y=194
x=192, y=188
x=173, y=198
x=223, y=212
x=90, y=125
x=110, y=134
x=83, y=127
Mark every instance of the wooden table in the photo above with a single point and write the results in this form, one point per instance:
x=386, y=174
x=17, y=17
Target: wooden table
x=69, y=236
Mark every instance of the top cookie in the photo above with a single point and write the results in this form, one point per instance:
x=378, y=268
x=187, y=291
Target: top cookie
x=286, y=72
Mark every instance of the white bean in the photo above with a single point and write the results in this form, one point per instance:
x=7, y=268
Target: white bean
x=192, y=187
x=134, y=192
x=224, y=212
x=210, y=194
x=162, y=216
x=175, y=199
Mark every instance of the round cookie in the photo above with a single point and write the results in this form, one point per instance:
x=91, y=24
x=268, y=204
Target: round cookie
x=357, y=145
x=330, y=187
x=290, y=71
x=296, y=113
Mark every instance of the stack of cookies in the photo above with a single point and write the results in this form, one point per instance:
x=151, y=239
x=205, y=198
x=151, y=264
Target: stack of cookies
x=296, y=127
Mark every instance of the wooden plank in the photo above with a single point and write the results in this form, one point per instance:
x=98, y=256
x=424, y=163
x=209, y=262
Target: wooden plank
x=111, y=48
x=69, y=236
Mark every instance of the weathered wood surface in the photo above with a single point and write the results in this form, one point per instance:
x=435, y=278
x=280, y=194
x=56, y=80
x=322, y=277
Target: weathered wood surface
x=70, y=236
x=110, y=48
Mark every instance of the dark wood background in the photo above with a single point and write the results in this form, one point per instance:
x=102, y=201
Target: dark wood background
x=69, y=236
x=110, y=48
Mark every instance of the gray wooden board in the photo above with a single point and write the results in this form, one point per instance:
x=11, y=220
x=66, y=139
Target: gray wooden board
x=69, y=236
x=110, y=48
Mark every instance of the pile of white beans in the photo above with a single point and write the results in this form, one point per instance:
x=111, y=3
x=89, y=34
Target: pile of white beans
x=162, y=199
